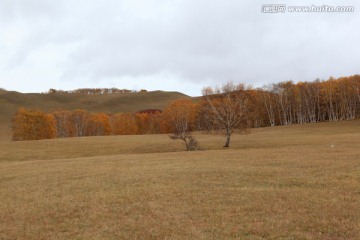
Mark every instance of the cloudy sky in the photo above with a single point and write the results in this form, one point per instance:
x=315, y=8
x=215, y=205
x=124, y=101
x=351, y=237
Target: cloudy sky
x=173, y=45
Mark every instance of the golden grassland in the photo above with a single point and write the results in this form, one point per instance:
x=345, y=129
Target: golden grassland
x=292, y=182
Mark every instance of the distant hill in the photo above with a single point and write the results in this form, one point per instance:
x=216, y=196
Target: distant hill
x=11, y=101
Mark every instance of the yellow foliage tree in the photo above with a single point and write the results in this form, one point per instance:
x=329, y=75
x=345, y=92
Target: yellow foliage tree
x=124, y=124
x=33, y=125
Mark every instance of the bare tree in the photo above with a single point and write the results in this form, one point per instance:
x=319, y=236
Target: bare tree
x=226, y=107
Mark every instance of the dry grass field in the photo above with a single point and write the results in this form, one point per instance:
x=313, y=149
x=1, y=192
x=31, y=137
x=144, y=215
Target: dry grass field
x=293, y=182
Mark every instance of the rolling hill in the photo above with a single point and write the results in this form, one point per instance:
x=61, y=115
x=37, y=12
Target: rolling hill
x=10, y=102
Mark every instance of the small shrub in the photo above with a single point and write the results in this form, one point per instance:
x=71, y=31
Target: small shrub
x=190, y=142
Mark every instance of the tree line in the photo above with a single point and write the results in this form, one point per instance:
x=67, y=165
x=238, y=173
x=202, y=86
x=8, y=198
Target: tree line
x=93, y=91
x=28, y=124
x=36, y=125
x=287, y=103
x=88, y=91
x=227, y=108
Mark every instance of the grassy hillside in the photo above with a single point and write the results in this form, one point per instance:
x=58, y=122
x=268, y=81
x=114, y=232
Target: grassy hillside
x=10, y=102
x=294, y=182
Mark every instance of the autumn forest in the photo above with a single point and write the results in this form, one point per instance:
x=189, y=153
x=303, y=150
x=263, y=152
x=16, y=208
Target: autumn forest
x=283, y=103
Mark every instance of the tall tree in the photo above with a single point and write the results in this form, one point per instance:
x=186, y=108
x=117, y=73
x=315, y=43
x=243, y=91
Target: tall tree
x=267, y=98
x=226, y=108
x=79, y=120
x=64, y=125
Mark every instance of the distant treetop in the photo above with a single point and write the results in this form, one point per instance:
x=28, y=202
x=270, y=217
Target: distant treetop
x=150, y=111
x=93, y=91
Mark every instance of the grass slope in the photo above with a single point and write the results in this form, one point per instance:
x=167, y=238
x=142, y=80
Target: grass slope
x=296, y=182
x=10, y=102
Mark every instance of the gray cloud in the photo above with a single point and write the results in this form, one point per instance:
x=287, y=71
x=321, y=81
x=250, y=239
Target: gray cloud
x=191, y=43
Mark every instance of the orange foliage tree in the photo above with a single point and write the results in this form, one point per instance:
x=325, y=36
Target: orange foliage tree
x=104, y=123
x=97, y=124
x=149, y=121
x=33, y=125
x=124, y=124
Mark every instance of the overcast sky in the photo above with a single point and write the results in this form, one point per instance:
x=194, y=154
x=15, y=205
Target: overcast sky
x=173, y=45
